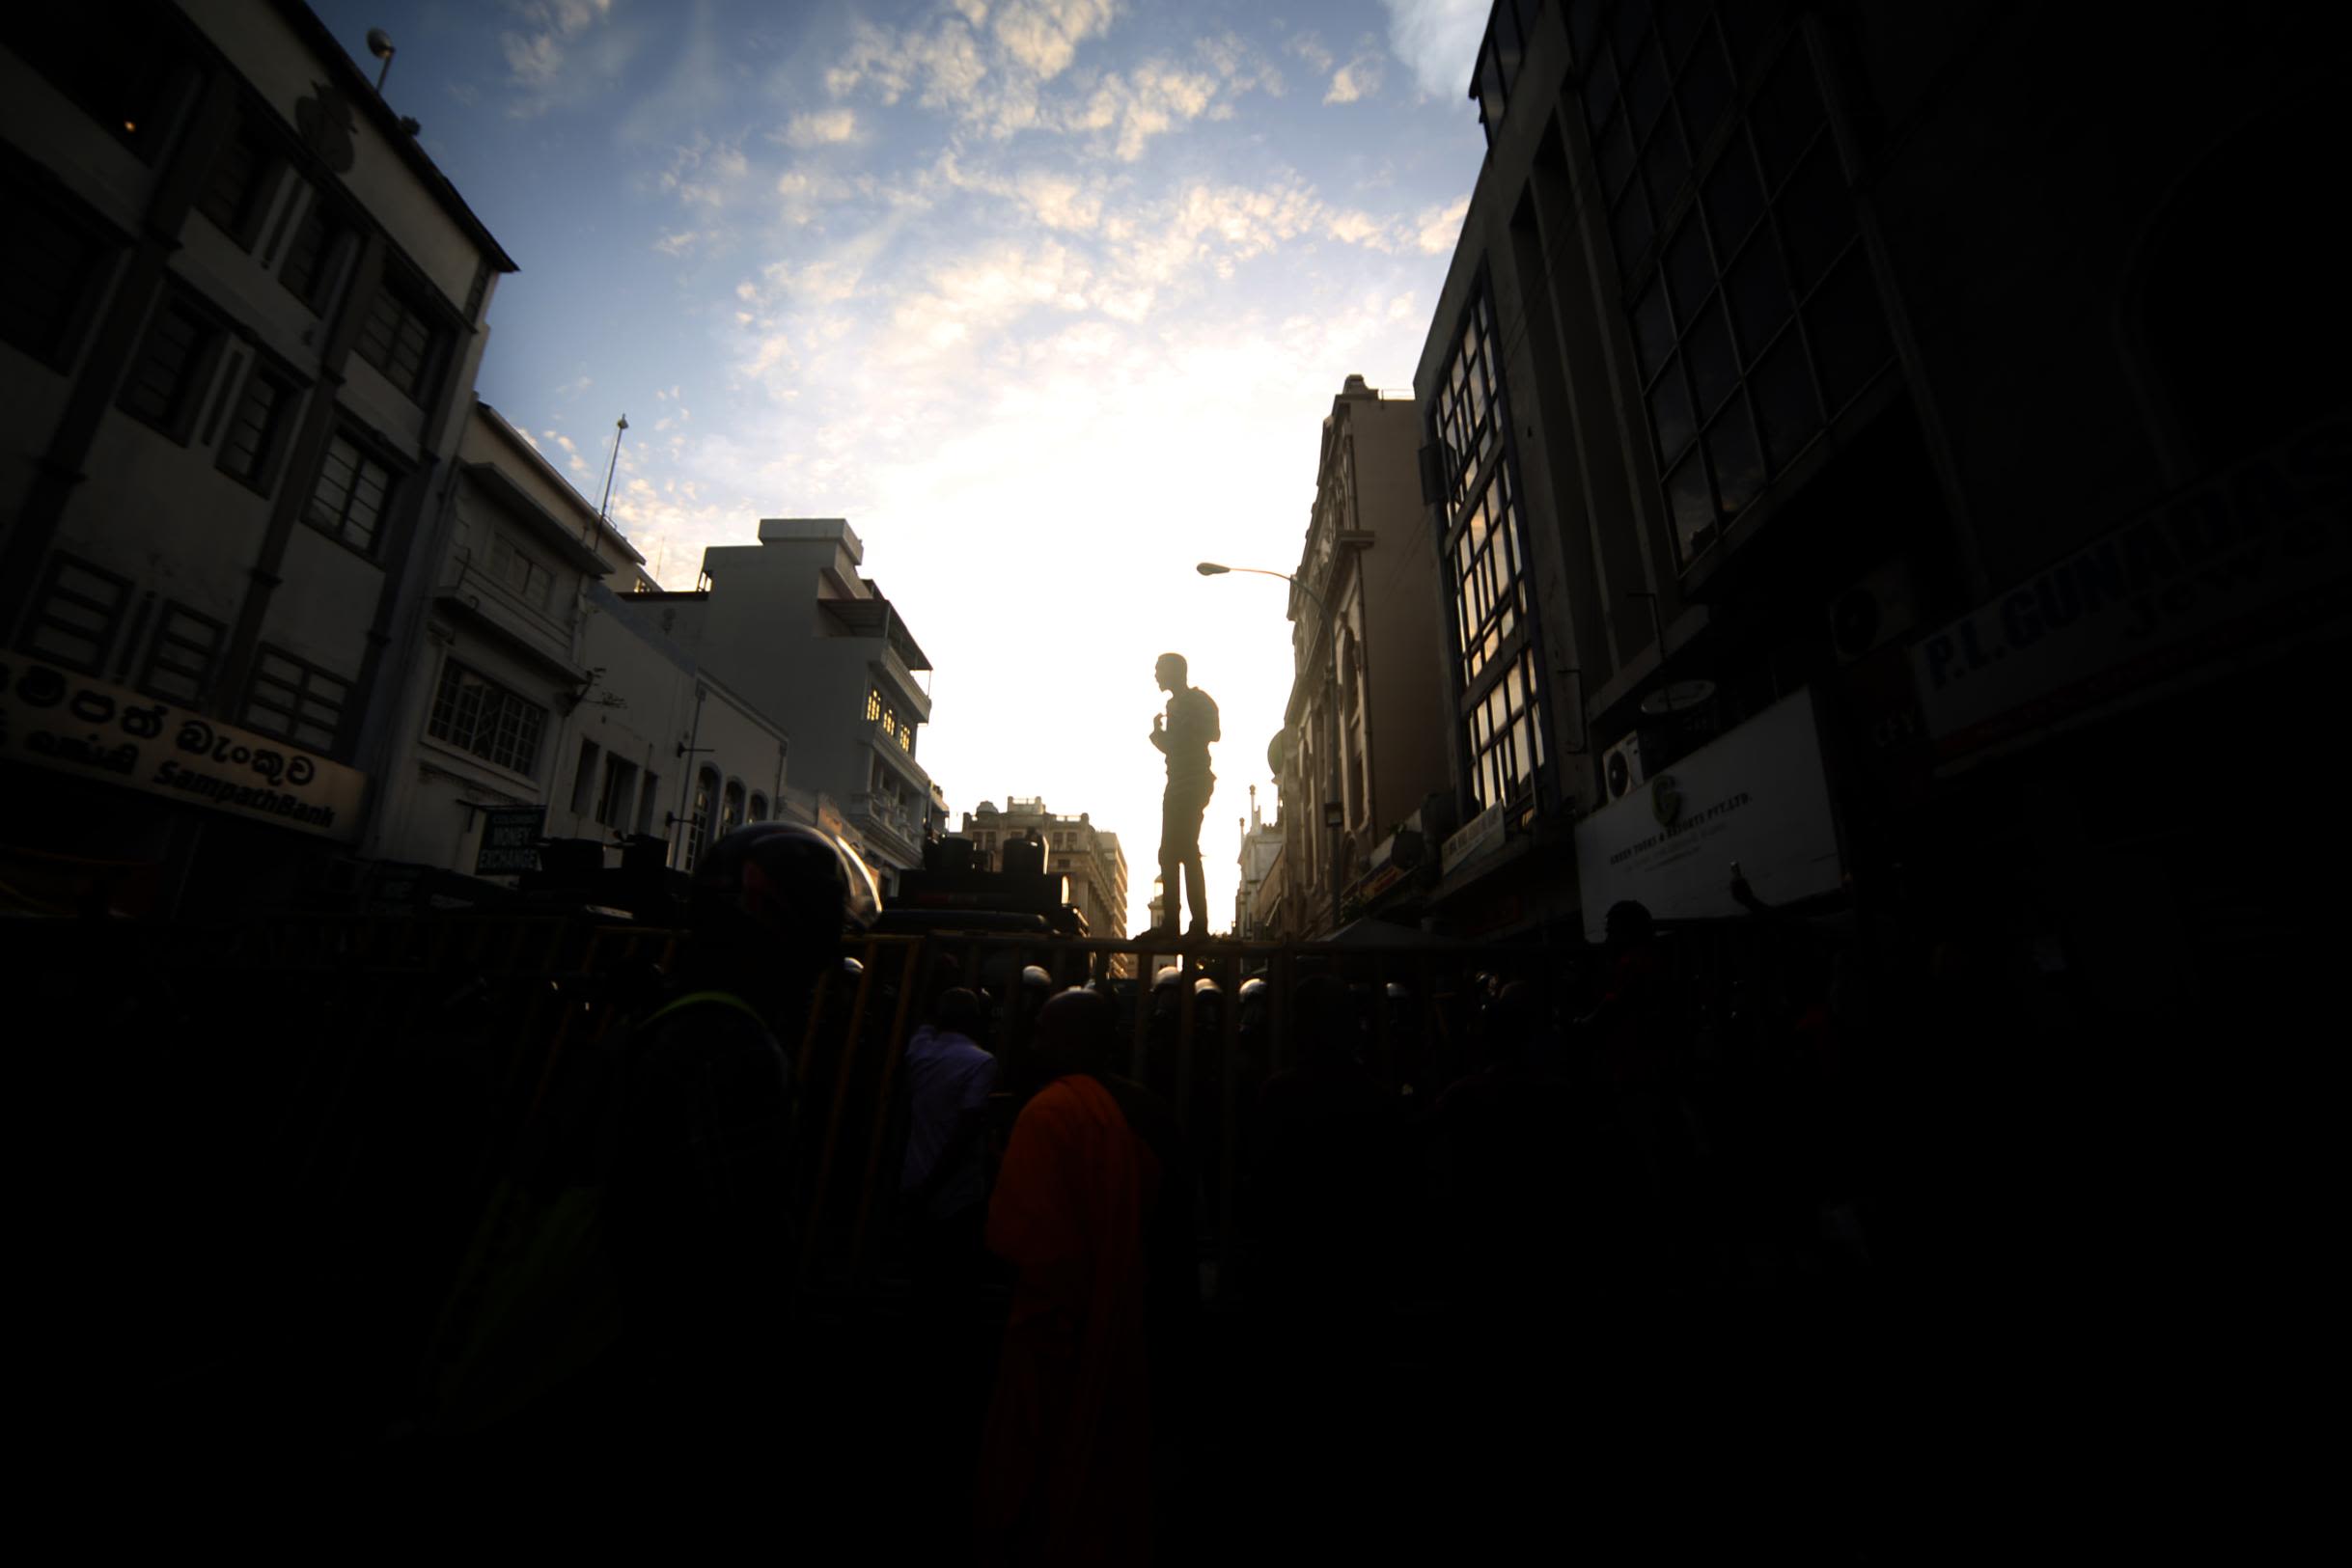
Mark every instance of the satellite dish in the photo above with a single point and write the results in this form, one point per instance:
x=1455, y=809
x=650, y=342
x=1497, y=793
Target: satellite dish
x=1677, y=696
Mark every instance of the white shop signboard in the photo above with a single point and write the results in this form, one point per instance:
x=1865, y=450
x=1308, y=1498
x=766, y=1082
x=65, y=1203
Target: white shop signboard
x=50, y=718
x=1759, y=796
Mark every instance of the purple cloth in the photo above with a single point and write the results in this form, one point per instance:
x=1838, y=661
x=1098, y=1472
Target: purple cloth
x=948, y=1079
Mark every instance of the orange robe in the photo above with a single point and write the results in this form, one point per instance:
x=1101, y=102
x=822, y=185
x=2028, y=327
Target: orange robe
x=1065, y=1472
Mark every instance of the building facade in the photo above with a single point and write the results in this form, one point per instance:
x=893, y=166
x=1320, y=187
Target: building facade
x=1257, y=911
x=1863, y=447
x=536, y=689
x=1088, y=856
x=246, y=313
x=1365, y=723
x=792, y=625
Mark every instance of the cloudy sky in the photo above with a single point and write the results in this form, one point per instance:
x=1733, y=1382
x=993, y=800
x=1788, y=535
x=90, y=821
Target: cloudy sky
x=1047, y=297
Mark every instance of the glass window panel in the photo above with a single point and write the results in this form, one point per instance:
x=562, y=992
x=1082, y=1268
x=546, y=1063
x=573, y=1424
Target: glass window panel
x=1670, y=413
x=1646, y=91
x=1786, y=115
x=1706, y=91
x=1614, y=154
x=1632, y=230
x=1690, y=509
x=1516, y=695
x=1689, y=270
x=1848, y=330
x=1734, y=198
x=1816, y=217
x=1748, y=25
x=1678, y=24
x=1600, y=91
x=1761, y=300
x=1518, y=750
x=1708, y=350
x=1788, y=410
x=1631, y=21
x=1584, y=27
x=1666, y=163
x=1739, y=467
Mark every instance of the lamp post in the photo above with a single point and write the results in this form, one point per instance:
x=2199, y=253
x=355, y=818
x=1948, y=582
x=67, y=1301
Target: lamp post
x=1333, y=813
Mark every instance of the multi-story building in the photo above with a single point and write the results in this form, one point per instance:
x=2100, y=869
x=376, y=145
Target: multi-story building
x=1862, y=447
x=1088, y=856
x=1365, y=724
x=792, y=627
x=245, y=311
x=535, y=690
x=1257, y=914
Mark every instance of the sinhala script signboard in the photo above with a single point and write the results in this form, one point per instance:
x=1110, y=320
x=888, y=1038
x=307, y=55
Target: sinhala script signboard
x=1758, y=796
x=92, y=729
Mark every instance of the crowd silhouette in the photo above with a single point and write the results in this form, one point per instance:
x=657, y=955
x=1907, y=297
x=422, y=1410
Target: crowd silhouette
x=1669, y=1240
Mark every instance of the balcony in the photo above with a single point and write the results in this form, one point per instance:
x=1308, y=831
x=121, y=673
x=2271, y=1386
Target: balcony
x=895, y=827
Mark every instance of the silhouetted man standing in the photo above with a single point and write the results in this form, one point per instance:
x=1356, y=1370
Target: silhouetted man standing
x=1184, y=736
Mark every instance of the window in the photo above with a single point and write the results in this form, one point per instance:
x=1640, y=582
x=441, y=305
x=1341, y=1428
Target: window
x=648, y=799
x=619, y=793
x=257, y=431
x=77, y=612
x=120, y=60
x=184, y=656
x=1484, y=549
x=531, y=582
x=238, y=190
x=54, y=262
x=1756, y=317
x=295, y=701
x=183, y=343
x=1467, y=413
x=584, y=778
x=399, y=338
x=349, y=501
x=315, y=259
x=476, y=714
x=1505, y=735
x=706, y=801
x=758, y=807
x=731, y=812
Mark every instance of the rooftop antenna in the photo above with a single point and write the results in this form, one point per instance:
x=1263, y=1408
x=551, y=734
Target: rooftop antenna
x=604, y=510
x=380, y=44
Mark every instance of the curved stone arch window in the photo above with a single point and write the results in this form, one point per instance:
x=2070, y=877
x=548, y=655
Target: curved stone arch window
x=758, y=807
x=731, y=810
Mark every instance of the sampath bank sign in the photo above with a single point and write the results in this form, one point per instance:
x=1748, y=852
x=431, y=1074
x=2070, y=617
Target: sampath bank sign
x=2251, y=552
x=93, y=730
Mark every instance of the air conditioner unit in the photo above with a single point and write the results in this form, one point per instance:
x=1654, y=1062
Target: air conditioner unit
x=1874, y=611
x=1622, y=767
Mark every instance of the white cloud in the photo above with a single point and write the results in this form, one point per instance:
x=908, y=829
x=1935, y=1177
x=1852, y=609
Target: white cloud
x=1440, y=227
x=537, y=54
x=1360, y=78
x=678, y=244
x=1438, y=41
x=821, y=127
x=1042, y=36
x=1309, y=47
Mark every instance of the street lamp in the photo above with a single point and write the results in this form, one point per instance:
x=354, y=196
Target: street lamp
x=1332, y=815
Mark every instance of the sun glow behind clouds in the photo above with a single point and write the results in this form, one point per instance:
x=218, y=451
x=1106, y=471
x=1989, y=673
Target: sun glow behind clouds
x=1049, y=297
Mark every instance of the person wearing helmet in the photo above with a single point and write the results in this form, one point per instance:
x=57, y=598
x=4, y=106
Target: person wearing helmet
x=1184, y=737
x=699, y=1209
